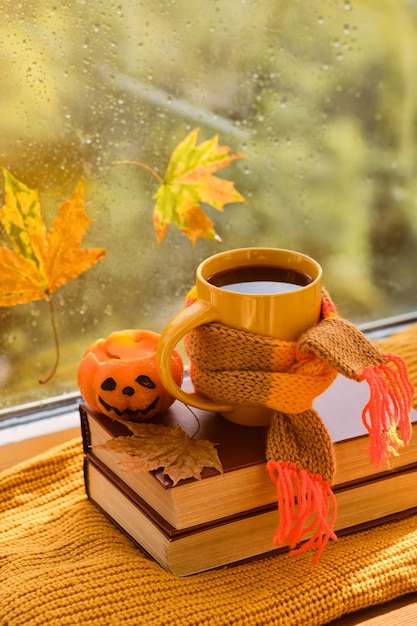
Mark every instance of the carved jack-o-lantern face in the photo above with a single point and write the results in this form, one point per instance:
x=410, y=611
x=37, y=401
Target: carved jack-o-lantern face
x=118, y=376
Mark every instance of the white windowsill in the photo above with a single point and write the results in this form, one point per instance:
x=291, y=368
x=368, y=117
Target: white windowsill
x=19, y=442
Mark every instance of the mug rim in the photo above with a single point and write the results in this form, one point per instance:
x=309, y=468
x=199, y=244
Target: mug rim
x=200, y=275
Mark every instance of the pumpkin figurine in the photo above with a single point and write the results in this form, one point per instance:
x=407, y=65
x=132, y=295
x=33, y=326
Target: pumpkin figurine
x=117, y=376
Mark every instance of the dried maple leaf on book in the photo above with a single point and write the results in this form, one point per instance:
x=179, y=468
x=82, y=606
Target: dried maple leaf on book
x=153, y=446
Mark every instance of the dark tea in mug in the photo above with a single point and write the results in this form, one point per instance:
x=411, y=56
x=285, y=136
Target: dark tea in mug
x=260, y=279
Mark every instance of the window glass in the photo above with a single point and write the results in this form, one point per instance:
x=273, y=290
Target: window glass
x=321, y=97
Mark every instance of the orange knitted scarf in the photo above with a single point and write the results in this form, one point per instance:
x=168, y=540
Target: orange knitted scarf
x=236, y=367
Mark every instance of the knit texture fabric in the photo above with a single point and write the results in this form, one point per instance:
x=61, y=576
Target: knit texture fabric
x=237, y=367
x=63, y=563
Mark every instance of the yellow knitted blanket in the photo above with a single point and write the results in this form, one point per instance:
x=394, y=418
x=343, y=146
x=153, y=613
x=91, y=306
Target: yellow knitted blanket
x=63, y=563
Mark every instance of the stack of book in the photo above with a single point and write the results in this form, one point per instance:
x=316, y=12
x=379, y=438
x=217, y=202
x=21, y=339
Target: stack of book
x=222, y=519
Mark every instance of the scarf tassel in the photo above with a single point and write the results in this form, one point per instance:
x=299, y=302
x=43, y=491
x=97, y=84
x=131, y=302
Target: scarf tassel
x=388, y=408
x=305, y=504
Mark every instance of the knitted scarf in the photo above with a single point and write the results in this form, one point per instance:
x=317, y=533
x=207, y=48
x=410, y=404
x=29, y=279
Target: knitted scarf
x=237, y=367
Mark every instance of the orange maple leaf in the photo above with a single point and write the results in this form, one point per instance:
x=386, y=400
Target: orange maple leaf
x=189, y=180
x=153, y=446
x=39, y=262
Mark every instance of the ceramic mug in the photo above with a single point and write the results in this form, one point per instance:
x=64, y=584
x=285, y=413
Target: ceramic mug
x=268, y=291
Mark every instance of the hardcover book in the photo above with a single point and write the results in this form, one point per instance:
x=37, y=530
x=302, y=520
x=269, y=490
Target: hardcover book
x=242, y=536
x=245, y=484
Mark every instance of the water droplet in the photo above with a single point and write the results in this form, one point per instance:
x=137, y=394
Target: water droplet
x=398, y=193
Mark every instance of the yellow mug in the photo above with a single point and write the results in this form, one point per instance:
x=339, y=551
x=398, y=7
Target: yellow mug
x=267, y=291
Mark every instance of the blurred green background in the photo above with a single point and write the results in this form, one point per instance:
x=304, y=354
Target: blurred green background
x=321, y=97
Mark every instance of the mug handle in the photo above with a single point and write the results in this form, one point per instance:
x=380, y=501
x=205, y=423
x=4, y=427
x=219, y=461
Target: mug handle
x=197, y=314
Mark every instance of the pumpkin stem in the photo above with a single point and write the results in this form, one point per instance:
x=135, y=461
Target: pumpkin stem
x=56, y=340
x=144, y=166
x=198, y=421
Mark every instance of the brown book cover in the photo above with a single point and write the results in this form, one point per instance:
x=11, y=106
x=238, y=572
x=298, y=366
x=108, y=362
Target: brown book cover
x=242, y=536
x=245, y=483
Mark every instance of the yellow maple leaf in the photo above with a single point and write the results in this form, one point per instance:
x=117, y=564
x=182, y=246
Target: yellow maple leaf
x=153, y=446
x=190, y=180
x=38, y=262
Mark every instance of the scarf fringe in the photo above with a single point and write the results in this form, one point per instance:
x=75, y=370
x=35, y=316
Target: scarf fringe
x=305, y=504
x=388, y=408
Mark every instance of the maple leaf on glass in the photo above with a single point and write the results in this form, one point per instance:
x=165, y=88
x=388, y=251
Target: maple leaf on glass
x=153, y=446
x=38, y=261
x=190, y=180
